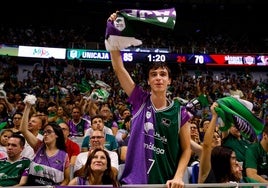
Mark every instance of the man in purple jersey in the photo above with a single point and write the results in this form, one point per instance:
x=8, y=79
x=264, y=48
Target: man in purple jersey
x=160, y=133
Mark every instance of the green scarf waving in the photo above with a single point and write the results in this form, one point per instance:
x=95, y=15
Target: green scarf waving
x=234, y=112
x=121, y=33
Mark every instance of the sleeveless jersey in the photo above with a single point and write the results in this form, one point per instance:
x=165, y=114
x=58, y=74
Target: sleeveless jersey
x=154, y=149
x=45, y=170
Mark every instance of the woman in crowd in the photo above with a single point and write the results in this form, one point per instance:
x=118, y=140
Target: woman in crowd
x=97, y=170
x=218, y=164
x=16, y=120
x=50, y=165
x=215, y=161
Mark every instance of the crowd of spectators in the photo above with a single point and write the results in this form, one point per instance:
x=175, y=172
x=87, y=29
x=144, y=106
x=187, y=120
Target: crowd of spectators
x=70, y=84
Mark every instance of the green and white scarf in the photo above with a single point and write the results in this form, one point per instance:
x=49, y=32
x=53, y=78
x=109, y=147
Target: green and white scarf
x=234, y=112
x=121, y=33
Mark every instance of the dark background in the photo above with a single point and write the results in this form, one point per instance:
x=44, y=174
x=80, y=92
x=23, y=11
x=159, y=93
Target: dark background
x=192, y=15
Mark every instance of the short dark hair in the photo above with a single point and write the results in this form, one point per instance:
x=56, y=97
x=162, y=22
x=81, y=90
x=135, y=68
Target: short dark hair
x=17, y=113
x=201, y=124
x=19, y=136
x=156, y=65
x=96, y=116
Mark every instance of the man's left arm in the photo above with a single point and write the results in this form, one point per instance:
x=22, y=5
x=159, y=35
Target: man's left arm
x=185, y=138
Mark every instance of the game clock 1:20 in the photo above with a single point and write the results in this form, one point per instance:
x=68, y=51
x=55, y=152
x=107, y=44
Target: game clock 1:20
x=156, y=57
x=144, y=57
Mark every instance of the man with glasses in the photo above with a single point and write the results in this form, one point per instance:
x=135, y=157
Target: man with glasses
x=97, y=140
x=97, y=123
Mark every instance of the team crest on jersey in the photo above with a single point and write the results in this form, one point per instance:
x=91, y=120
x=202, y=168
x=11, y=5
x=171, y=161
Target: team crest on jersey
x=148, y=114
x=166, y=122
x=120, y=23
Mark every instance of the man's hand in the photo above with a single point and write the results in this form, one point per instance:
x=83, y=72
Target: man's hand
x=175, y=183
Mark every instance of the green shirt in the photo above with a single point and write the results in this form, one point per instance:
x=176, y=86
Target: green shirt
x=110, y=142
x=239, y=146
x=10, y=173
x=257, y=158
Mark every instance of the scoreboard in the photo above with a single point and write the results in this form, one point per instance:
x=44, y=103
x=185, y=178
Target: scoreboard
x=190, y=59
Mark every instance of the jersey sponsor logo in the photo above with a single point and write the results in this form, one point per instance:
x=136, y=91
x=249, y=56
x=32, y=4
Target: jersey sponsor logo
x=154, y=148
x=166, y=122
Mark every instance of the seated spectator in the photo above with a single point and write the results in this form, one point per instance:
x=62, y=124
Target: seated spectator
x=44, y=118
x=72, y=148
x=194, y=133
x=77, y=124
x=52, y=111
x=7, y=108
x=123, y=112
x=123, y=139
x=14, y=165
x=51, y=158
x=34, y=125
x=233, y=138
x=256, y=159
x=108, y=118
x=20, y=106
x=4, y=116
x=97, y=140
x=98, y=124
x=5, y=134
x=16, y=120
x=41, y=105
x=97, y=170
x=61, y=116
x=123, y=132
x=236, y=92
x=203, y=126
x=218, y=164
x=206, y=174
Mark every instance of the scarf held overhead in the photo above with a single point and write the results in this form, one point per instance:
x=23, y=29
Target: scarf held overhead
x=234, y=112
x=120, y=33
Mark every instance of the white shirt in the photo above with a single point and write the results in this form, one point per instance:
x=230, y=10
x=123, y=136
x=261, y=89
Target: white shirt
x=119, y=135
x=28, y=150
x=107, y=130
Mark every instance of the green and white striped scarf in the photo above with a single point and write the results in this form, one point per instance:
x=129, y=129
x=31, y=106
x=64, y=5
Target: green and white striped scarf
x=121, y=33
x=234, y=112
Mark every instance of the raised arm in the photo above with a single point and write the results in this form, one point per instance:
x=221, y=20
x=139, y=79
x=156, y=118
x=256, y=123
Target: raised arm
x=30, y=137
x=205, y=165
x=122, y=74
